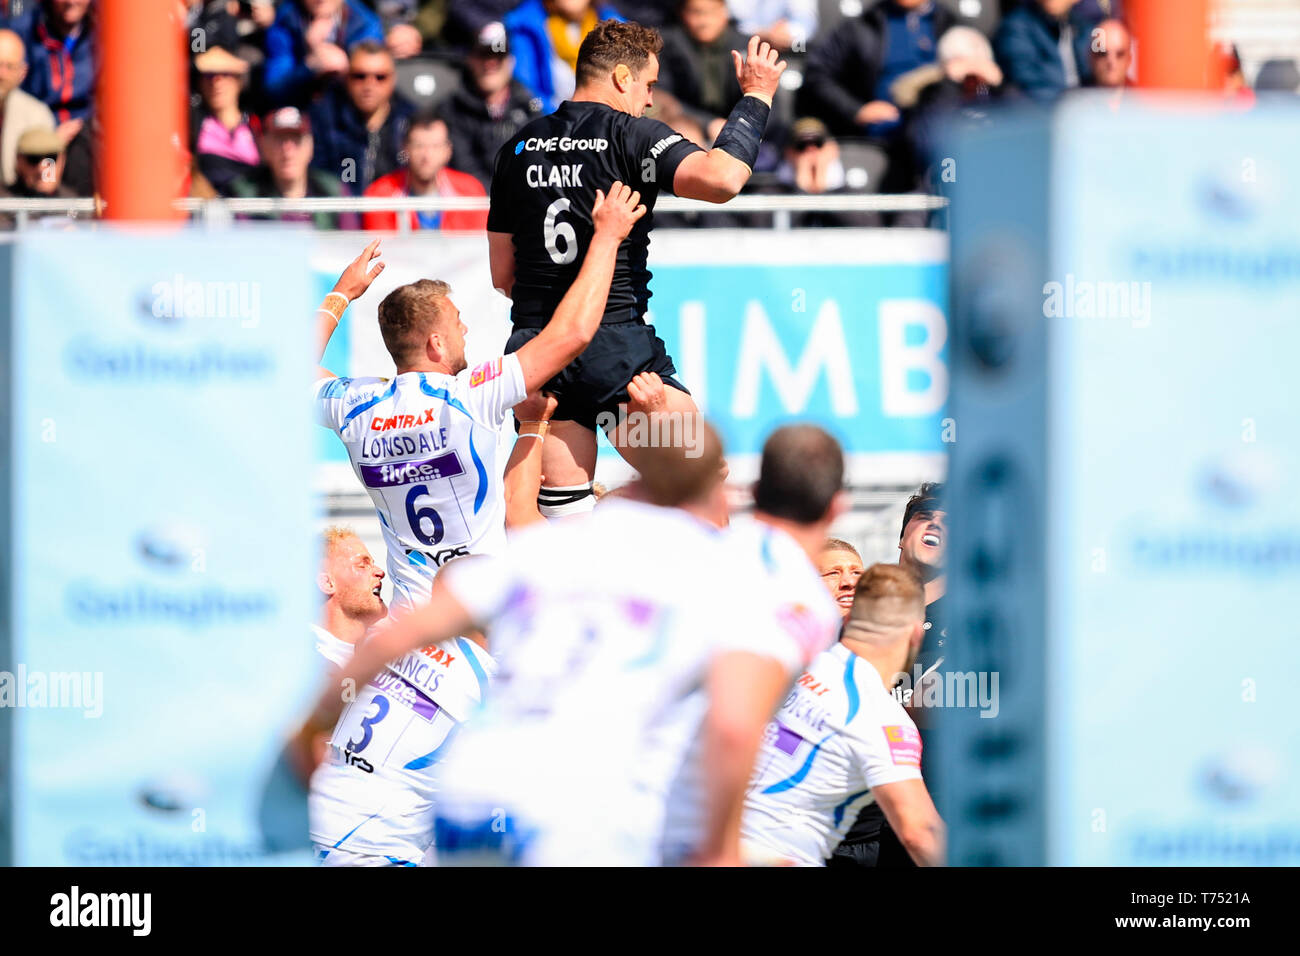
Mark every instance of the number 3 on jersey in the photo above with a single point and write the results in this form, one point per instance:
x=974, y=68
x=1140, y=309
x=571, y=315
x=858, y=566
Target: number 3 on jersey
x=552, y=231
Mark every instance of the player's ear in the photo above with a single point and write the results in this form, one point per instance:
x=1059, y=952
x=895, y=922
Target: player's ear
x=838, y=506
x=622, y=77
x=325, y=583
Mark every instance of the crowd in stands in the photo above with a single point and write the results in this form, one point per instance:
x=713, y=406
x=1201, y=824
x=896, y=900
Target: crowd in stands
x=299, y=98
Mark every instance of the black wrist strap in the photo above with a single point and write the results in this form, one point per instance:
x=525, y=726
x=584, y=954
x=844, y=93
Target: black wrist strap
x=744, y=130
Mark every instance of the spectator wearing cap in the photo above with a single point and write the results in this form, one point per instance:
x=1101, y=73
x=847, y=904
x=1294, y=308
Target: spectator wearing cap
x=39, y=163
x=811, y=166
x=360, y=124
x=849, y=73
x=545, y=36
x=695, y=66
x=428, y=150
x=222, y=136
x=62, y=64
x=489, y=107
x=1044, y=48
x=286, y=146
x=306, y=45
x=1112, y=54
x=19, y=111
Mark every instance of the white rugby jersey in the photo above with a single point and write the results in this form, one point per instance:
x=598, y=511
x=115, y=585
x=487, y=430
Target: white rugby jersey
x=602, y=625
x=802, y=609
x=374, y=793
x=838, y=734
x=424, y=446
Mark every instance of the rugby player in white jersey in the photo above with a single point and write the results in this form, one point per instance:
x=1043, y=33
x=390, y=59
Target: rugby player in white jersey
x=798, y=495
x=350, y=582
x=424, y=444
x=567, y=763
x=842, y=740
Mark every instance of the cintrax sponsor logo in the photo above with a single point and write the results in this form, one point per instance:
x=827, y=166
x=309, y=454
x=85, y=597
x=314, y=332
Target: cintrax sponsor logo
x=103, y=909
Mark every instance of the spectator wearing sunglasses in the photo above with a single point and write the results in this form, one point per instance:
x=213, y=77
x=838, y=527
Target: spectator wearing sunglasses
x=1112, y=54
x=811, y=167
x=361, y=123
x=39, y=163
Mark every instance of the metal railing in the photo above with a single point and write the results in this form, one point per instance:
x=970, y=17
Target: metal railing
x=217, y=211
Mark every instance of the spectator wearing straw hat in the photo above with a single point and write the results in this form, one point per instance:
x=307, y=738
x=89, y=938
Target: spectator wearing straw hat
x=223, y=137
x=39, y=163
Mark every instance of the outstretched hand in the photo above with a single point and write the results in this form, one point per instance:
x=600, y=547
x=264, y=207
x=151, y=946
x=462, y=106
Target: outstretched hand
x=356, y=278
x=760, y=71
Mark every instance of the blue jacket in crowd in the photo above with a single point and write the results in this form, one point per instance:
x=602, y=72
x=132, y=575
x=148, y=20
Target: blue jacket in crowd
x=288, y=79
x=60, y=72
x=1027, y=51
x=531, y=45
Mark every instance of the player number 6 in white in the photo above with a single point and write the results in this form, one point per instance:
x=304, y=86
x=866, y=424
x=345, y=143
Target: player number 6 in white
x=553, y=230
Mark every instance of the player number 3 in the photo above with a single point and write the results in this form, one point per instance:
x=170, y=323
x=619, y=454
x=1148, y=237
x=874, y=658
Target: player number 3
x=553, y=231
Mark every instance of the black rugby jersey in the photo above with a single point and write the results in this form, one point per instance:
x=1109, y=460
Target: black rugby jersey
x=543, y=189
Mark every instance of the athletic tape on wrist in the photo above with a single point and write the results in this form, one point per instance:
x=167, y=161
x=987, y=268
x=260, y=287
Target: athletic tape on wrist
x=744, y=130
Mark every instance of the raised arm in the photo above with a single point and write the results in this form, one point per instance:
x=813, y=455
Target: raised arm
x=352, y=284
x=579, y=313
x=524, y=469
x=501, y=262
x=722, y=172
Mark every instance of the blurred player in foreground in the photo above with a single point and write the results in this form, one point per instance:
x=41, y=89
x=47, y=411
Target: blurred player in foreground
x=798, y=495
x=538, y=230
x=350, y=582
x=424, y=444
x=572, y=759
x=842, y=740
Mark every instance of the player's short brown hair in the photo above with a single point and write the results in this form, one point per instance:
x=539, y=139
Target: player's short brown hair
x=839, y=544
x=888, y=595
x=408, y=314
x=612, y=42
x=801, y=471
x=679, y=476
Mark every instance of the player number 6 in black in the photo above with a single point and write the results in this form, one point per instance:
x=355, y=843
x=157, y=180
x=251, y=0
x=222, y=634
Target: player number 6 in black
x=414, y=516
x=553, y=231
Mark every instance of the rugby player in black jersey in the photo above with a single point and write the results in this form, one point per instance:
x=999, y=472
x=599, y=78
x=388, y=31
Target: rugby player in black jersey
x=540, y=223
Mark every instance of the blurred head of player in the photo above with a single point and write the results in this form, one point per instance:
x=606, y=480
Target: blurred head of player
x=887, y=622
x=924, y=537
x=800, y=485
x=1057, y=8
x=840, y=566
x=705, y=20
x=422, y=329
x=428, y=150
x=618, y=65
x=350, y=579
x=1112, y=52
x=692, y=479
